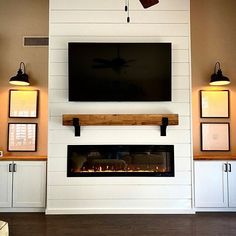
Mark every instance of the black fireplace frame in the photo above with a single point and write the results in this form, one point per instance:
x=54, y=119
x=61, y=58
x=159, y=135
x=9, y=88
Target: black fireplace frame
x=165, y=148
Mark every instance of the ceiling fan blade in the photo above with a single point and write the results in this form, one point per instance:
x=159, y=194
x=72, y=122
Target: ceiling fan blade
x=101, y=66
x=148, y=3
x=101, y=60
x=131, y=60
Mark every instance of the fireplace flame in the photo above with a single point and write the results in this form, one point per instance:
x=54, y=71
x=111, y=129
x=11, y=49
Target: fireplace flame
x=113, y=169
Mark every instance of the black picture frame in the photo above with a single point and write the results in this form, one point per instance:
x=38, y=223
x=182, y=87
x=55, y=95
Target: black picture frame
x=215, y=136
x=214, y=103
x=22, y=137
x=23, y=103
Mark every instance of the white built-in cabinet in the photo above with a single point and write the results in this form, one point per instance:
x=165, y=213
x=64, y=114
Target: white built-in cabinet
x=5, y=184
x=215, y=184
x=22, y=184
x=232, y=184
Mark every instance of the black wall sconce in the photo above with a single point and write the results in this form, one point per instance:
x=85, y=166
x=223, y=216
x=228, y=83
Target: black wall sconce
x=217, y=78
x=21, y=78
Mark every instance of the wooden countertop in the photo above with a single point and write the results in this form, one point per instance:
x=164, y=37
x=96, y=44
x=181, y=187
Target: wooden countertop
x=23, y=158
x=214, y=157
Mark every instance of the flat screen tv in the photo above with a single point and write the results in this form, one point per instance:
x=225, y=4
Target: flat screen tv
x=119, y=71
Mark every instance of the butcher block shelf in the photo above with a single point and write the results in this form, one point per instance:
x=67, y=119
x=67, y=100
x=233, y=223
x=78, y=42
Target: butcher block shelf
x=23, y=158
x=78, y=120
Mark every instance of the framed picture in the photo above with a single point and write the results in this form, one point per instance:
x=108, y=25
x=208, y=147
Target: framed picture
x=23, y=103
x=22, y=137
x=214, y=103
x=215, y=137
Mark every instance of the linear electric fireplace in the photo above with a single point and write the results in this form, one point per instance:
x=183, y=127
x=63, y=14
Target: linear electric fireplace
x=120, y=160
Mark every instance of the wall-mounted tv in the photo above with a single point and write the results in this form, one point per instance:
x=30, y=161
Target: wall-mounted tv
x=119, y=71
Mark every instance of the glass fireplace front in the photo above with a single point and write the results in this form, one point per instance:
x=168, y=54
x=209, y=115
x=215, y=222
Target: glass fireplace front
x=120, y=160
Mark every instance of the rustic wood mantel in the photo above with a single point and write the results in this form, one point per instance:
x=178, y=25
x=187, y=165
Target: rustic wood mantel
x=162, y=120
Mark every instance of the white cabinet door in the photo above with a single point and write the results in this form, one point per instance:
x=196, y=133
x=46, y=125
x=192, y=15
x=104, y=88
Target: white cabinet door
x=232, y=183
x=210, y=184
x=5, y=184
x=29, y=184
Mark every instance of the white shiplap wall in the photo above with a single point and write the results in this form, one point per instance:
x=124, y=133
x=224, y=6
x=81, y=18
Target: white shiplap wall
x=105, y=21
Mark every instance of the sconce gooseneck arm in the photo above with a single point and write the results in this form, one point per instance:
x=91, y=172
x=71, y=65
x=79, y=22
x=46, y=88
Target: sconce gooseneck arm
x=22, y=63
x=217, y=63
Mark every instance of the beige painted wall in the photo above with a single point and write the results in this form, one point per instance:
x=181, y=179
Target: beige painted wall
x=213, y=29
x=18, y=19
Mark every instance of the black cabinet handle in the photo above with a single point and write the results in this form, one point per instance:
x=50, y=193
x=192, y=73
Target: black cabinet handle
x=229, y=168
x=225, y=167
x=10, y=168
x=14, y=167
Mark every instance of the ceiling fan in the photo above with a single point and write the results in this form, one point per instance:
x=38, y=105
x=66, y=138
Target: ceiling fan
x=145, y=3
x=116, y=63
x=148, y=3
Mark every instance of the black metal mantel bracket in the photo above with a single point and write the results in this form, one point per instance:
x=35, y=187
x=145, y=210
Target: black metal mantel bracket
x=164, y=125
x=76, y=124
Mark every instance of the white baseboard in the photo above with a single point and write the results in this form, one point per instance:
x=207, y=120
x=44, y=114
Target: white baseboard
x=15, y=209
x=61, y=211
x=208, y=209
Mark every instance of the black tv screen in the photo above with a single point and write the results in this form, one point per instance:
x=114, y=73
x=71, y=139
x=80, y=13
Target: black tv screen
x=119, y=71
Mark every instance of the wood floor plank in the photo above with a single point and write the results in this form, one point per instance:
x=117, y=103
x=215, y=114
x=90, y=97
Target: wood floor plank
x=201, y=224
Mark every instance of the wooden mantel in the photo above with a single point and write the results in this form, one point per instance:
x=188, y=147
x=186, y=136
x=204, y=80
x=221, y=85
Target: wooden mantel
x=162, y=120
x=120, y=119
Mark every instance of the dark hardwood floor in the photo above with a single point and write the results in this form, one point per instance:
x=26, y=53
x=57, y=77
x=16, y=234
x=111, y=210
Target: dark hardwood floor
x=201, y=224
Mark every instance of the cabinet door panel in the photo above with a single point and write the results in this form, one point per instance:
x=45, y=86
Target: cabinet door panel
x=5, y=184
x=232, y=184
x=29, y=184
x=210, y=184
